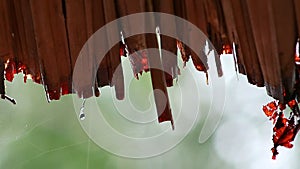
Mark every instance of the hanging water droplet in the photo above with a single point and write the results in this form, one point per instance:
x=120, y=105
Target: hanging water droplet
x=81, y=114
x=157, y=30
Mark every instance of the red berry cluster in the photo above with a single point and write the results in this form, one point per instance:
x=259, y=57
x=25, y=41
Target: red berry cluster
x=285, y=129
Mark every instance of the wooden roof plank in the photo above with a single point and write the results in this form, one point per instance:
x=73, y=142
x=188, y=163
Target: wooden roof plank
x=246, y=43
x=168, y=44
x=284, y=38
x=273, y=42
x=52, y=44
x=6, y=48
x=117, y=79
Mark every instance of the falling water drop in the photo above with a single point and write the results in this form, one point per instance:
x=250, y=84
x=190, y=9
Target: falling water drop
x=234, y=53
x=81, y=114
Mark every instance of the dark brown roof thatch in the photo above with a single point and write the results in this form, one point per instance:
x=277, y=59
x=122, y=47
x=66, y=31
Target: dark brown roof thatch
x=43, y=38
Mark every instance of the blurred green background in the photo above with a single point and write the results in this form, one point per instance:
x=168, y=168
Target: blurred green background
x=36, y=134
